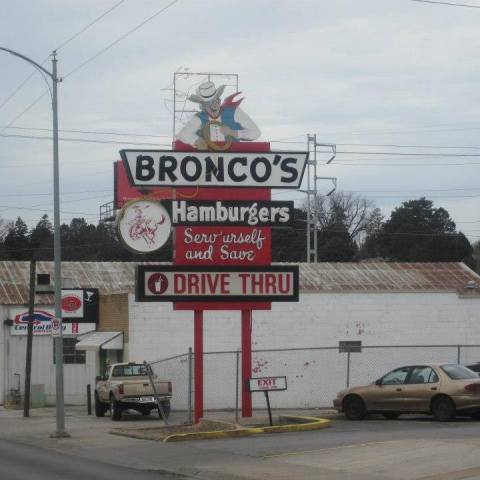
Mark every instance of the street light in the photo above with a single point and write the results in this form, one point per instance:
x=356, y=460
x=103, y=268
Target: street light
x=57, y=253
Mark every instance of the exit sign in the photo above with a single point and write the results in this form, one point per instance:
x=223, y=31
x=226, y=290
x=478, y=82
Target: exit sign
x=267, y=384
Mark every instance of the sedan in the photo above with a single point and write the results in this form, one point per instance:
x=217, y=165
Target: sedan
x=439, y=389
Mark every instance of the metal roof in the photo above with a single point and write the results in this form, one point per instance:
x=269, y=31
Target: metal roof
x=119, y=277
x=95, y=341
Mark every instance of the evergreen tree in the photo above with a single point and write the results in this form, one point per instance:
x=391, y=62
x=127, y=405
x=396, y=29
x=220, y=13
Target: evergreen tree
x=16, y=241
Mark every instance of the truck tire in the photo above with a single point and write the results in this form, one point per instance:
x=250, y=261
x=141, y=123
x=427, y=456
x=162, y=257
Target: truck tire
x=166, y=409
x=115, y=409
x=100, y=408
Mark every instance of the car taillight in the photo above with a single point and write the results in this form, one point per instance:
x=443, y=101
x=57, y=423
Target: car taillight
x=120, y=390
x=473, y=387
x=169, y=387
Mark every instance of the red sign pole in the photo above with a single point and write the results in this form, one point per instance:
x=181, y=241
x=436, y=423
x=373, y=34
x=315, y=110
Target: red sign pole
x=198, y=370
x=246, y=362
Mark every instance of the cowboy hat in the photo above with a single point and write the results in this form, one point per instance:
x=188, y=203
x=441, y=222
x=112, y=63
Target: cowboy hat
x=206, y=92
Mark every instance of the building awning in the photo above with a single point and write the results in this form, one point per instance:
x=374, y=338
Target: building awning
x=95, y=341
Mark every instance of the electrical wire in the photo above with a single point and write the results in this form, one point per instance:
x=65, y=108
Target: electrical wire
x=450, y=4
x=78, y=67
x=63, y=44
x=119, y=39
x=92, y=132
x=82, y=140
x=84, y=29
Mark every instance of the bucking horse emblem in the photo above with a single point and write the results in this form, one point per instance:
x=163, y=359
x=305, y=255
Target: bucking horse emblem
x=142, y=227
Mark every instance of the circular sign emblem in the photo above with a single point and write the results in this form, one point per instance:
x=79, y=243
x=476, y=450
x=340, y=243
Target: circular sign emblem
x=144, y=225
x=71, y=303
x=157, y=283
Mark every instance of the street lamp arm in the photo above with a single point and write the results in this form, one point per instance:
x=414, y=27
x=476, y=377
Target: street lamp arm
x=35, y=64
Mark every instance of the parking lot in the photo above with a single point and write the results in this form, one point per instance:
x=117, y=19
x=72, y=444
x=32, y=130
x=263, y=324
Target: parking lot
x=412, y=447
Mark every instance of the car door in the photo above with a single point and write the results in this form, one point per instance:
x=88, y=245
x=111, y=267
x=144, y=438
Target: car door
x=387, y=393
x=422, y=384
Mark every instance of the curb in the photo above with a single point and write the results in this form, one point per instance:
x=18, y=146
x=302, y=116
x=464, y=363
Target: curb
x=299, y=424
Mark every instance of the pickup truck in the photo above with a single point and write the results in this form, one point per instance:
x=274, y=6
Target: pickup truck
x=127, y=386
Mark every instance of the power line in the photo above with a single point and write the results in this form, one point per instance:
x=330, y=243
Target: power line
x=450, y=4
x=84, y=29
x=31, y=105
x=83, y=140
x=458, y=147
x=406, y=154
x=358, y=164
x=11, y=207
x=63, y=44
x=50, y=193
x=119, y=39
x=92, y=132
x=78, y=67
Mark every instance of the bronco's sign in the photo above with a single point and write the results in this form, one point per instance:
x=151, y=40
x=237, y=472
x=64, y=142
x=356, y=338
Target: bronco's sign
x=162, y=283
x=154, y=168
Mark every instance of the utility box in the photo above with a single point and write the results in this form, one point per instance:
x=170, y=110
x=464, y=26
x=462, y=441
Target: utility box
x=37, y=395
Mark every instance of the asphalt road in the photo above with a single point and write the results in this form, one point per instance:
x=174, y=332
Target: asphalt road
x=23, y=462
x=345, y=432
x=405, y=449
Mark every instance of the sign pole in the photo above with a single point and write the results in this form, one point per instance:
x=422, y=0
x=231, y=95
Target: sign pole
x=267, y=398
x=198, y=348
x=246, y=362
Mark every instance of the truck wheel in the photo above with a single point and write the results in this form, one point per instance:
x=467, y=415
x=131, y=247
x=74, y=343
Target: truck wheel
x=166, y=409
x=100, y=407
x=115, y=409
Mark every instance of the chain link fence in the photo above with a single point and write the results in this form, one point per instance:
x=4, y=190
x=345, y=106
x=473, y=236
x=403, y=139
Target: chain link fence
x=314, y=375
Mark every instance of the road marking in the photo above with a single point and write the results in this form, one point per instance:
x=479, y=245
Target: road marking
x=368, y=444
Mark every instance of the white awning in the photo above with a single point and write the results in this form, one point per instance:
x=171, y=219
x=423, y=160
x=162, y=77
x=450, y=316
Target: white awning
x=95, y=341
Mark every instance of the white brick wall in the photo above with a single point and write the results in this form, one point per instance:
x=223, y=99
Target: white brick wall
x=317, y=320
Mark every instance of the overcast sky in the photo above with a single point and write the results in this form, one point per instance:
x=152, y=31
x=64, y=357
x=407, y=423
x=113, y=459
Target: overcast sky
x=373, y=76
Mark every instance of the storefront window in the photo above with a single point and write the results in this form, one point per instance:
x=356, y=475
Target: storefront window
x=70, y=355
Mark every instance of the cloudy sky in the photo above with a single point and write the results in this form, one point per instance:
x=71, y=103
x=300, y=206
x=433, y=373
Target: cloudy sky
x=393, y=83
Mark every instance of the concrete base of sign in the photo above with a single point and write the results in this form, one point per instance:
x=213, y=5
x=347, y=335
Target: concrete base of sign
x=208, y=429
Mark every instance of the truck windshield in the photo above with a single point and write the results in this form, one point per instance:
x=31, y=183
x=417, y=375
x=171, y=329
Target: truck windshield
x=129, y=371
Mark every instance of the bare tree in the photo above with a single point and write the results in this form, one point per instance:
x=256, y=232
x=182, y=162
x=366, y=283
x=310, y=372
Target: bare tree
x=5, y=227
x=358, y=214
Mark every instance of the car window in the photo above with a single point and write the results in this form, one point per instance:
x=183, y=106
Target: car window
x=458, y=372
x=396, y=377
x=423, y=375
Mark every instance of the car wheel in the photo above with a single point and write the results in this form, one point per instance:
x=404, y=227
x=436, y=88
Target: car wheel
x=354, y=408
x=99, y=407
x=145, y=413
x=443, y=409
x=165, y=408
x=475, y=416
x=115, y=409
x=391, y=415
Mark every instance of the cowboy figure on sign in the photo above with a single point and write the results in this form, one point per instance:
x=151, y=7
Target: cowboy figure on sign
x=218, y=124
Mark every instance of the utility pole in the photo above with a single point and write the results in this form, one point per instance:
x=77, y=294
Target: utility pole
x=28, y=362
x=312, y=193
x=57, y=252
